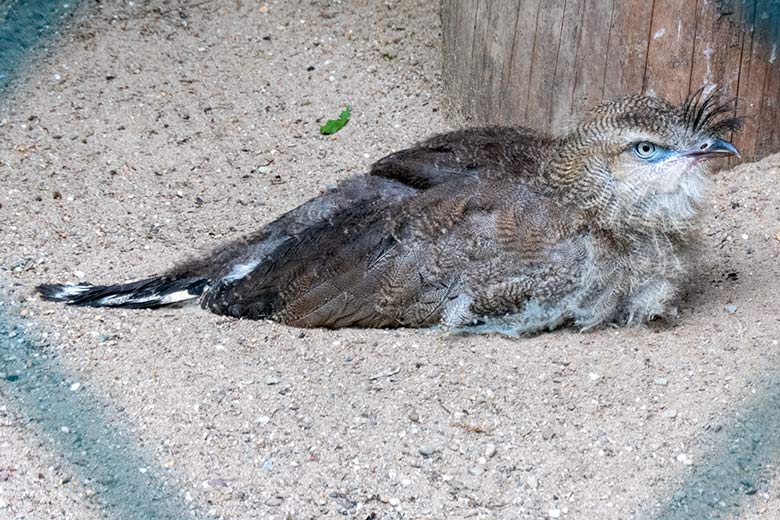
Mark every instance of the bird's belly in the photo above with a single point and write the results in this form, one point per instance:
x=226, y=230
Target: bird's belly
x=521, y=305
x=535, y=316
x=569, y=290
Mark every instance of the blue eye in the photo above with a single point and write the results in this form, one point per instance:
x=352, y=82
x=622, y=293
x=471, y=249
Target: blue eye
x=648, y=151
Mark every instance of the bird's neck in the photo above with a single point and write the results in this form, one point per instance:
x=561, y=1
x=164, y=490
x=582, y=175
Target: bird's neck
x=579, y=178
x=584, y=180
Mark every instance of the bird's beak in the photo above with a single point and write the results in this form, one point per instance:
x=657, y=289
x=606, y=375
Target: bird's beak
x=713, y=149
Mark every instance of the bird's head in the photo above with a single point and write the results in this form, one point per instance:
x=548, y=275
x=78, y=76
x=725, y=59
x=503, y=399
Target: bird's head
x=643, y=162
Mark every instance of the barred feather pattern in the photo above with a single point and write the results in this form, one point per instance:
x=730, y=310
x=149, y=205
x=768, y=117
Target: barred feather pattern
x=482, y=230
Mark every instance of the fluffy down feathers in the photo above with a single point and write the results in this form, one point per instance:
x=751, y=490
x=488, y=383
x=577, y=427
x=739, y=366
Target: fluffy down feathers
x=481, y=230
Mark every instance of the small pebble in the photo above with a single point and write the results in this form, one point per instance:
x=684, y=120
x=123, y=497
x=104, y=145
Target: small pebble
x=554, y=513
x=730, y=308
x=274, y=501
x=661, y=381
x=682, y=457
x=670, y=413
x=593, y=376
x=75, y=386
x=490, y=451
x=426, y=450
x=475, y=471
x=531, y=482
x=272, y=380
x=414, y=416
x=216, y=483
x=394, y=502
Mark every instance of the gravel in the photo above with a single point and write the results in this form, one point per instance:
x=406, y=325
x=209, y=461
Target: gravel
x=198, y=123
x=426, y=450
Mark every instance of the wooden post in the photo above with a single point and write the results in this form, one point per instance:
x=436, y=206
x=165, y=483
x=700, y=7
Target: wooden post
x=542, y=64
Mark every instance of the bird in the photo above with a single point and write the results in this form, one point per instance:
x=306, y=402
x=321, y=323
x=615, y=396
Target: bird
x=485, y=230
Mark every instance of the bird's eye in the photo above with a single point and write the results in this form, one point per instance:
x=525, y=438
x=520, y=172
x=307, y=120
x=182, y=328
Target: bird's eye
x=645, y=150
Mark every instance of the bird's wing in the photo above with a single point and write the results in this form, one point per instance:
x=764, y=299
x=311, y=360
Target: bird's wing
x=505, y=242
x=474, y=152
x=341, y=271
x=382, y=264
x=376, y=263
x=385, y=249
x=251, y=249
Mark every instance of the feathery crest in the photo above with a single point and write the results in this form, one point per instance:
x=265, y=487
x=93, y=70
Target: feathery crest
x=706, y=113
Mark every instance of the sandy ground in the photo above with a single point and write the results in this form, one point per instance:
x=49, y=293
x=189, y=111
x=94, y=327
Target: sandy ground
x=153, y=132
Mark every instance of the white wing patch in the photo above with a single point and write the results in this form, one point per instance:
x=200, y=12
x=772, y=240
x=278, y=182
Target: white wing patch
x=239, y=271
x=114, y=300
x=69, y=291
x=178, y=296
x=174, y=297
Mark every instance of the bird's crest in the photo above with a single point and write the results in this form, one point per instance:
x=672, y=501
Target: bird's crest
x=707, y=113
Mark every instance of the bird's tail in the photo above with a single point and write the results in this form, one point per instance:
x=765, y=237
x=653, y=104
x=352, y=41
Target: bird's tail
x=150, y=293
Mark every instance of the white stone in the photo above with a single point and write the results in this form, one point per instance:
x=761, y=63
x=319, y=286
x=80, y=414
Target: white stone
x=682, y=457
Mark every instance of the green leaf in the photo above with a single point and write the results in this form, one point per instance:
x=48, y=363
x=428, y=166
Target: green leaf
x=334, y=125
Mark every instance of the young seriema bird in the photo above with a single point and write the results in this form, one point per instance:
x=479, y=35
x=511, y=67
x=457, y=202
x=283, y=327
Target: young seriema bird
x=497, y=229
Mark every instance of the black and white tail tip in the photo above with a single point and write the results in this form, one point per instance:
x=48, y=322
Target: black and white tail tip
x=143, y=294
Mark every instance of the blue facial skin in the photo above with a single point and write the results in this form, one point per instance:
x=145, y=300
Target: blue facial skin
x=711, y=148
x=650, y=152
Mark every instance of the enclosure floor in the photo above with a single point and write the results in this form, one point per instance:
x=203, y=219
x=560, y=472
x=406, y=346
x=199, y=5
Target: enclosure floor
x=156, y=131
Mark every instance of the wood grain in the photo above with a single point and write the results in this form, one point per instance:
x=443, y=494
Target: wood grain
x=670, y=49
x=543, y=64
x=750, y=90
x=524, y=41
x=627, y=53
x=769, y=127
x=562, y=86
x=546, y=53
x=590, y=70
